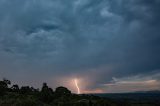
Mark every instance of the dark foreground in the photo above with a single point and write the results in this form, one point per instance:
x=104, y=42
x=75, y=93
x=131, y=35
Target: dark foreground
x=134, y=99
x=29, y=96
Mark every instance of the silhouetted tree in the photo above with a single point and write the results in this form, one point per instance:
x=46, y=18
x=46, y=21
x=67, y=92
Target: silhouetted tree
x=15, y=88
x=4, y=86
x=60, y=91
x=25, y=90
x=8, y=82
x=46, y=94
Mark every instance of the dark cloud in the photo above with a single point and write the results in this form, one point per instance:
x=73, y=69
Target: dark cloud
x=63, y=38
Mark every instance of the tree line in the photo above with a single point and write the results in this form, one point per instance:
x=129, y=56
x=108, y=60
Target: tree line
x=45, y=94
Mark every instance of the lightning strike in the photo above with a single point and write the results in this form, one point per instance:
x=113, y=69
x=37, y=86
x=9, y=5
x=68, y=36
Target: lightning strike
x=76, y=84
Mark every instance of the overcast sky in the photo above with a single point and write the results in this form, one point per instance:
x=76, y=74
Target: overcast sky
x=108, y=45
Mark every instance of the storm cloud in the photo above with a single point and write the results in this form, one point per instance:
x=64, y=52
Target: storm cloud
x=57, y=39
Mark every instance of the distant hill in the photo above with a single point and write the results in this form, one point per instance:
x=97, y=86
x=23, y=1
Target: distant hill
x=152, y=91
x=139, y=98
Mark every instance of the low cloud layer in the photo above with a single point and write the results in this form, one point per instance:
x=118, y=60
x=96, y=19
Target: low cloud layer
x=133, y=83
x=88, y=39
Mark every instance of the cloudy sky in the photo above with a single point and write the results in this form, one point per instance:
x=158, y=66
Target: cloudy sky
x=107, y=45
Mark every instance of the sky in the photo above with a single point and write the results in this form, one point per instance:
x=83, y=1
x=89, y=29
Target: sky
x=106, y=45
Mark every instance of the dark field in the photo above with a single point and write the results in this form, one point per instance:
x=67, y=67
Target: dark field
x=134, y=99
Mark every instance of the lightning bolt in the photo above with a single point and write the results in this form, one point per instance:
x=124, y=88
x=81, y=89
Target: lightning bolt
x=76, y=84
